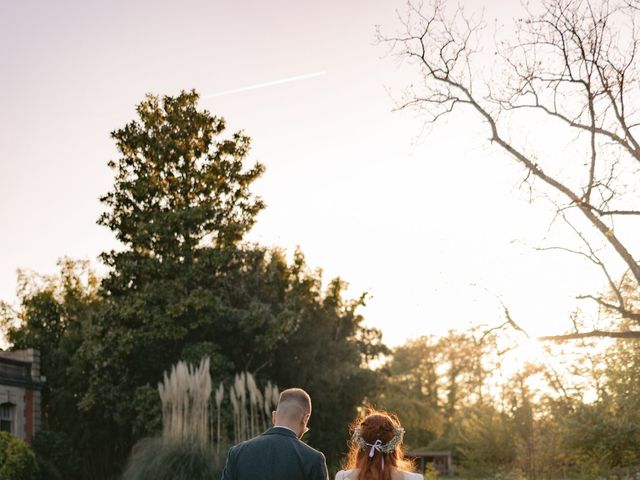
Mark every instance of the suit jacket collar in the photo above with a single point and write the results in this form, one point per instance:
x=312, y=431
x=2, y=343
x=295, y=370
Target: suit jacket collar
x=281, y=431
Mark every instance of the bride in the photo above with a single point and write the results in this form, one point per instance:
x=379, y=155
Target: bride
x=375, y=451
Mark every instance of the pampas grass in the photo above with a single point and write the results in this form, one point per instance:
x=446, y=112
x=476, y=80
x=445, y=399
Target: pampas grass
x=190, y=448
x=253, y=401
x=185, y=394
x=251, y=408
x=219, y=397
x=233, y=395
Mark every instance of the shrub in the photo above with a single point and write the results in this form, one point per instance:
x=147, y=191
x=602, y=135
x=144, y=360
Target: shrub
x=17, y=461
x=56, y=457
x=161, y=459
x=431, y=472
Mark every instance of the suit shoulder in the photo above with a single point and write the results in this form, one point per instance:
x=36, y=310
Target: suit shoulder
x=310, y=450
x=235, y=449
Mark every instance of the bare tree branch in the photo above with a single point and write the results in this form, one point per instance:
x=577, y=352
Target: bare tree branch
x=631, y=334
x=567, y=63
x=618, y=308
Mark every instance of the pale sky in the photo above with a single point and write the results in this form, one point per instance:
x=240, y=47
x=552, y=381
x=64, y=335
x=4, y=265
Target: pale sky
x=433, y=226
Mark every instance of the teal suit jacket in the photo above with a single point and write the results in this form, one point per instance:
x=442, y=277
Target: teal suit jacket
x=277, y=454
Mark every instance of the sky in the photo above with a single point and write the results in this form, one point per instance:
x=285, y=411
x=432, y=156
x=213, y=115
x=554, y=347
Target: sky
x=432, y=224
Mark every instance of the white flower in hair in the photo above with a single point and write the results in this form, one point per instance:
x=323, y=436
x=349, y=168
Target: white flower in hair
x=398, y=434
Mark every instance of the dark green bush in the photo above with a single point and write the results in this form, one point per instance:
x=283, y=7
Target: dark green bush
x=158, y=459
x=17, y=461
x=56, y=456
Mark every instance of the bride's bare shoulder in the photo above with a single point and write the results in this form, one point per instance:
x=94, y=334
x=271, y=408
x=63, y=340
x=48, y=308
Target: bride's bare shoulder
x=352, y=475
x=346, y=475
x=412, y=476
x=402, y=475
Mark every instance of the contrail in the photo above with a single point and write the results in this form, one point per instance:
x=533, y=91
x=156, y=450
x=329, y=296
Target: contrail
x=266, y=84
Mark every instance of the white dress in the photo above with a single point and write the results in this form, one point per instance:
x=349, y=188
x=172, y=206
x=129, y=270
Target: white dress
x=353, y=474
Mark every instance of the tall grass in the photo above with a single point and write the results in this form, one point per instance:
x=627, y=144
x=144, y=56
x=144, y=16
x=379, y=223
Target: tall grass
x=185, y=394
x=251, y=406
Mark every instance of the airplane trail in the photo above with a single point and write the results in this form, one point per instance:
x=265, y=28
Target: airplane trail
x=266, y=84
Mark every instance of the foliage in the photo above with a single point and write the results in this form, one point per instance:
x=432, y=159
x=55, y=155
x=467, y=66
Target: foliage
x=17, y=461
x=532, y=423
x=56, y=456
x=327, y=354
x=53, y=314
x=487, y=441
x=159, y=459
x=606, y=434
x=431, y=472
x=176, y=183
x=430, y=381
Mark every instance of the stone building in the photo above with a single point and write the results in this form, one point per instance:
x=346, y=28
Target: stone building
x=20, y=393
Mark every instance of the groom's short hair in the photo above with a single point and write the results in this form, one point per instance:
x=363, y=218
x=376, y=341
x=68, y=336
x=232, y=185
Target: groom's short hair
x=294, y=402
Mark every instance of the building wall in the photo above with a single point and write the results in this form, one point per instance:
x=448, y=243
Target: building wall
x=17, y=396
x=31, y=356
x=24, y=394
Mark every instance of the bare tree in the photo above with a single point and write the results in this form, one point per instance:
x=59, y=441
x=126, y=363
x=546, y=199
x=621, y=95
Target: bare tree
x=571, y=65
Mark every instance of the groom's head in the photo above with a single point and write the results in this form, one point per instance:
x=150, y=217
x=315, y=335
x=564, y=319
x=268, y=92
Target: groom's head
x=294, y=410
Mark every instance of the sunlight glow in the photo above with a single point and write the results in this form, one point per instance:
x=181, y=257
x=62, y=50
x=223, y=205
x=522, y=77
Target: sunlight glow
x=531, y=351
x=528, y=351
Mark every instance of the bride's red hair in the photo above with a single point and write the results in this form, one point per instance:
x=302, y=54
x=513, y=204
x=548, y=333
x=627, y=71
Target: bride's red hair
x=376, y=425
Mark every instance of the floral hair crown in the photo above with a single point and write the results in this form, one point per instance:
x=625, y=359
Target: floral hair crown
x=398, y=434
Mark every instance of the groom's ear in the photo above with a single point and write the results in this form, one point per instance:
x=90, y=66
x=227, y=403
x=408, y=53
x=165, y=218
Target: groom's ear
x=273, y=418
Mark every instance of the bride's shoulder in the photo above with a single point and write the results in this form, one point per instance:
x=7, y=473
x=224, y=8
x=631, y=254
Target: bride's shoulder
x=412, y=476
x=345, y=475
x=352, y=474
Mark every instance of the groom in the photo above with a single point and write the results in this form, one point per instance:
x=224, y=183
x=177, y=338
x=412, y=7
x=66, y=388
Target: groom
x=278, y=454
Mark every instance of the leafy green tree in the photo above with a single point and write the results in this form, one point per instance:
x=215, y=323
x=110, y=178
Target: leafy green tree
x=605, y=435
x=433, y=379
x=177, y=183
x=53, y=314
x=486, y=441
x=180, y=205
x=413, y=390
